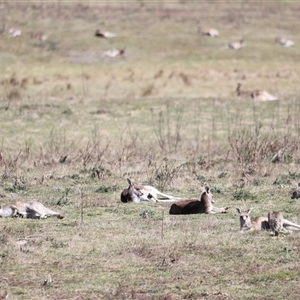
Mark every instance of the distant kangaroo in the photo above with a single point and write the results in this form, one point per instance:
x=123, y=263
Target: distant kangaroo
x=259, y=95
x=114, y=53
x=241, y=93
x=260, y=223
x=139, y=193
x=210, y=32
x=39, y=36
x=284, y=42
x=275, y=219
x=104, y=34
x=263, y=96
x=204, y=205
x=236, y=45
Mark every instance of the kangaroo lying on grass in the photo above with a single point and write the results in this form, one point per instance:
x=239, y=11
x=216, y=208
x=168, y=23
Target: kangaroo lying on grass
x=204, y=205
x=138, y=193
x=31, y=210
x=259, y=95
x=262, y=223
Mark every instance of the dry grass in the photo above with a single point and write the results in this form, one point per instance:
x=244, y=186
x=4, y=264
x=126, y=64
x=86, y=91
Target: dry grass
x=75, y=125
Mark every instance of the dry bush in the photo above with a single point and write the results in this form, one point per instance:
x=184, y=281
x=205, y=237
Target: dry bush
x=162, y=173
x=148, y=90
x=186, y=79
x=250, y=146
x=92, y=153
x=168, y=134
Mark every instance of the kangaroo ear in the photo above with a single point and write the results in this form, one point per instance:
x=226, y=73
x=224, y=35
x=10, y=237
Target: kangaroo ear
x=129, y=181
x=249, y=210
x=204, y=188
x=238, y=210
x=207, y=189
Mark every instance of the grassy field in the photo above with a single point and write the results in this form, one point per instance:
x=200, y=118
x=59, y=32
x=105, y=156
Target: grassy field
x=75, y=125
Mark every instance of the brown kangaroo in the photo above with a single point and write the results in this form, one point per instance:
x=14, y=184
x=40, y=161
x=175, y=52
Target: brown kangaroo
x=204, y=205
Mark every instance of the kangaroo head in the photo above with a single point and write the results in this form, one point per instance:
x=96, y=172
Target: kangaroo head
x=207, y=196
x=245, y=220
x=296, y=193
x=134, y=191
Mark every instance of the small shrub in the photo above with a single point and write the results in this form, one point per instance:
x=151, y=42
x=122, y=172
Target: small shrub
x=146, y=214
x=58, y=245
x=64, y=200
x=147, y=90
x=100, y=172
x=243, y=195
x=103, y=189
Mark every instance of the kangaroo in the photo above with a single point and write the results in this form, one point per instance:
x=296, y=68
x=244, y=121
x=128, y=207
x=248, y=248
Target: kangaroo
x=104, y=34
x=263, y=96
x=258, y=95
x=7, y=211
x=260, y=223
x=35, y=210
x=284, y=42
x=236, y=45
x=275, y=219
x=241, y=93
x=296, y=192
x=39, y=36
x=114, y=53
x=210, y=32
x=13, y=32
x=204, y=205
x=138, y=193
